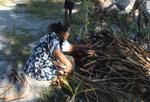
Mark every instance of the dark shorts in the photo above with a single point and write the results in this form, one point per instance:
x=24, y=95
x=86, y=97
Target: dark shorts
x=69, y=5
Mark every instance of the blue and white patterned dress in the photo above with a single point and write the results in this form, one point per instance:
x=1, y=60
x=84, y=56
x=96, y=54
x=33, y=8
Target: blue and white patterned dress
x=39, y=64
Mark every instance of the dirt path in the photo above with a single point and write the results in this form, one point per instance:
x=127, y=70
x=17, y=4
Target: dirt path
x=15, y=20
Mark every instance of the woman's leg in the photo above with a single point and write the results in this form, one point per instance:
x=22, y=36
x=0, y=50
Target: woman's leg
x=66, y=14
x=70, y=14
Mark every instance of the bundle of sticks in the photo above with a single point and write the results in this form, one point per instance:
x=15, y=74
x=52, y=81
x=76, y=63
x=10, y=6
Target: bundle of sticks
x=119, y=70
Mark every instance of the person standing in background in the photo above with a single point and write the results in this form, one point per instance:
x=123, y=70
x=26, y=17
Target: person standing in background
x=68, y=5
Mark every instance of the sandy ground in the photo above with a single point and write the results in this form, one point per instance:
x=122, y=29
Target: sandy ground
x=13, y=18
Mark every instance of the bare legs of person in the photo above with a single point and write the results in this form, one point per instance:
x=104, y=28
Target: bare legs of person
x=68, y=14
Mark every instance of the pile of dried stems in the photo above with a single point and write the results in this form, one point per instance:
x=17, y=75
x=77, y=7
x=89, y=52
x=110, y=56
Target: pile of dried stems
x=119, y=70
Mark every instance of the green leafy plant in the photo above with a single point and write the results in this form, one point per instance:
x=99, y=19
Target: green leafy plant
x=84, y=14
x=69, y=91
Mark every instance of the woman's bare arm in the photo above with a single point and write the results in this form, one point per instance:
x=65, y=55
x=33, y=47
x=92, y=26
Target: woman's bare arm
x=63, y=59
x=74, y=47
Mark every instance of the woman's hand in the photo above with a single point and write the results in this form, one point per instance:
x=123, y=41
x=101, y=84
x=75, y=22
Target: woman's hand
x=58, y=81
x=91, y=52
x=89, y=46
x=64, y=61
x=63, y=73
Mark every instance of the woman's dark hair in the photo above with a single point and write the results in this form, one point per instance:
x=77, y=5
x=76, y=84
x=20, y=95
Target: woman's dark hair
x=58, y=27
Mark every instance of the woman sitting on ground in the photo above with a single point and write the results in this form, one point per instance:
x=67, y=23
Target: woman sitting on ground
x=46, y=59
x=44, y=66
x=68, y=5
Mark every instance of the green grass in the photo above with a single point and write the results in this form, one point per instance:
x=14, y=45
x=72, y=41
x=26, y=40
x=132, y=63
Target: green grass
x=18, y=48
x=52, y=9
